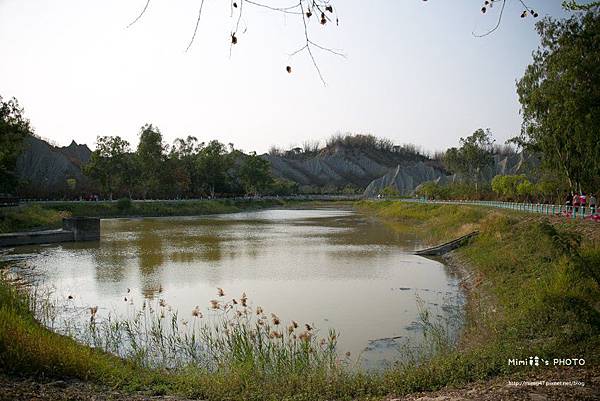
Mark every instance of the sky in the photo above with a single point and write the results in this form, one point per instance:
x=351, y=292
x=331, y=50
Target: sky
x=413, y=71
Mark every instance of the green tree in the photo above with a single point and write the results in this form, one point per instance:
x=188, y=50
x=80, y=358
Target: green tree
x=183, y=157
x=389, y=191
x=130, y=172
x=150, y=157
x=284, y=187
x=429, y=189
x=14, y=127
x=525, y=189
x=474, y=154
x=560, y=98
x=213, y=163
x=351, y=189
x=108, y=163
x=550, y=189
x=505, y=186
x=578, y=6
x=255, y=174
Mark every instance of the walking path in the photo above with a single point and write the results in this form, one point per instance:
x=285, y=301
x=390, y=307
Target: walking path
x=581, y=213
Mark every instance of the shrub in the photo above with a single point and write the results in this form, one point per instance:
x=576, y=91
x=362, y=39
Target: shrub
x=124, y=204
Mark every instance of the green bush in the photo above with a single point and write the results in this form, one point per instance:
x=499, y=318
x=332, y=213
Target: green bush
x=30, y=217
x=124, y=204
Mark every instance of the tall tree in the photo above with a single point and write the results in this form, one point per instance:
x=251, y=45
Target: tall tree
x=109, y=163
x=213, y=163
x=473, y=156
x=14, y=127
x=255, y=174
x=560, y=98
x=150, y=155
x=183, y=158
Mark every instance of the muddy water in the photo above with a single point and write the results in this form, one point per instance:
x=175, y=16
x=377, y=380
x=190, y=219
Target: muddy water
x=330, y=268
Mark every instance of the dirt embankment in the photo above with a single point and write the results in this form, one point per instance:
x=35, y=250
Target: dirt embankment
x=539, y=386
x=549, y=384
x=24, y=389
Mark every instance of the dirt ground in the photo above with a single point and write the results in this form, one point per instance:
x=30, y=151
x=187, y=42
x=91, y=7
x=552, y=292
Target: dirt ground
x=24, y=389
x=543, y=386
x=536, y=387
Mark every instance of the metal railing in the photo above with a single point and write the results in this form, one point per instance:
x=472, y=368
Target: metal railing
x=308, y=197
x=573, y=212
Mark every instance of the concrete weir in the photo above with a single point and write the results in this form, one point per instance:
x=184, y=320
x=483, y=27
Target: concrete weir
x=448, y=246
x=74, y=229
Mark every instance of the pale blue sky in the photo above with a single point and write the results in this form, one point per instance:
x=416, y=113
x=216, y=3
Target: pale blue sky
x=413, y=73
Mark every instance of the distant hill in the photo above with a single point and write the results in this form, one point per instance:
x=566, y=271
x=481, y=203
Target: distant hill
x=44, y=169
x=406, y=179
x=357, y=164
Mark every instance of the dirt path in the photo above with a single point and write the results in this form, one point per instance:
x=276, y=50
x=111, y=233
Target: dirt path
x=533, y=388
x=537, y=387
x=22, y=389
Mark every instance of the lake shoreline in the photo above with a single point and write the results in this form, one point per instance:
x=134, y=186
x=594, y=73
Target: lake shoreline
x=40, y=216
x=508, y=274
x=349, y=262
x=499, y=263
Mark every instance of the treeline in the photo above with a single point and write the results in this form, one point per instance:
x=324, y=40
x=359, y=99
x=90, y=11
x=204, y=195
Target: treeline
x=474, y=159
x=361, y=142
x=510, y=188
x=14, y=127
x=560, y=103
x=186, y=169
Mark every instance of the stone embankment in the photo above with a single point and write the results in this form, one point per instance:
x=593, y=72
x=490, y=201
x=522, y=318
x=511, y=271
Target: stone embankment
x=74, y=229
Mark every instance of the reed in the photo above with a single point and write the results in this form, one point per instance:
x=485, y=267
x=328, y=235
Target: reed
x=226, y=336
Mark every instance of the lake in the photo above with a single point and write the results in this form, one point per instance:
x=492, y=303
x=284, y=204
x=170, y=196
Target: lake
x=332, y=268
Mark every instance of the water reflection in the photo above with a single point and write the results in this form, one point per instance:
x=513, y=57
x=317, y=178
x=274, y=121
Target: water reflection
x=331, y=268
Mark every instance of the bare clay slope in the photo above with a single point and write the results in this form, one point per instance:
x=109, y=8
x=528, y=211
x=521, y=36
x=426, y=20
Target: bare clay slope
x=341, y=165
x=47, y=168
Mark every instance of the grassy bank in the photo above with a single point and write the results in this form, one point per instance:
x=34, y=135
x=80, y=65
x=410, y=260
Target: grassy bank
x=50, y=215
x=533, y=291
x=30, y=218
x=247, y=360
x=534, y=288
x=28, y=349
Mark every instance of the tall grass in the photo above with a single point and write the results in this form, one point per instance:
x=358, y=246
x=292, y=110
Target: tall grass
x=229, y=335
x=432, y=222
x=230, y=350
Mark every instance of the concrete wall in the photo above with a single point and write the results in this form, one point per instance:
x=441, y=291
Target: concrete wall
x=83, y=228
x=36, y=237
x=74, y=229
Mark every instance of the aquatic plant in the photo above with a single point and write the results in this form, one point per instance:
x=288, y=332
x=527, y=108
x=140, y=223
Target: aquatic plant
x=229, y=334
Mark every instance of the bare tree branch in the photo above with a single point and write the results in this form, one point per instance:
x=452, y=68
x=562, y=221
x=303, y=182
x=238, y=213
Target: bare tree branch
x=286, y=10
x=307, y=46
x=196, y=27
x=142, y=13
x=303, y=8
x=497, y=23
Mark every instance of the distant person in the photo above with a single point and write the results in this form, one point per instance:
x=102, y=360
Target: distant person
x=576, y=202
x=592, y=203
x=569, y=201
x=582, y=200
